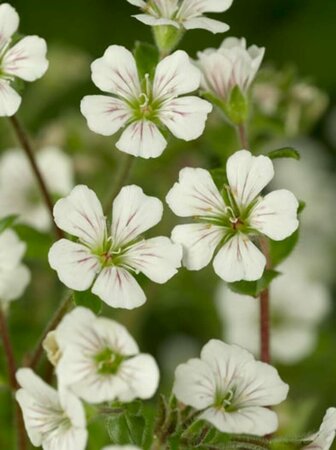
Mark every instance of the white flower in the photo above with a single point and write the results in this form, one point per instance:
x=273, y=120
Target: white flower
x=227, y=224
x=14, y=276
x=183, y=14
x=231, y=65
x=142, y=106
x=323, y=439
x=26, y=59
x=298, y=305
x=107, y=261
x=53, y=420
x=19, y=192
x=231, y=389
x=101, y=362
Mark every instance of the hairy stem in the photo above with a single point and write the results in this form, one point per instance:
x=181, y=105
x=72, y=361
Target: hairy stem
x=120, y=180
x=11, y=368
x=22, y=137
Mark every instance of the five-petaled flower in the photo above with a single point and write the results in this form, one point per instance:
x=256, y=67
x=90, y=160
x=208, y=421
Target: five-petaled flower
x=107, y=261
x=53, y=420
x=25, y=59
x=231, y=65
x=231, y=389
x=101, y=362
x=183, y=14
x=228, y=221
x=143, y=106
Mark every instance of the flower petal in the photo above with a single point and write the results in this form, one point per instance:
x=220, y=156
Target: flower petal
x=13, y=282
x=27, y=59
x=276, y=215
x=199, y=242
x=158, y=258
x=57, y=169
x=118, y=288
x=10, y=100
x=142, y=138
x=195, y=194
x=116, y=72
x=185, y=117
x=175, y=75
x=133, y=213
x=326, y=434
x=75, y=265
x=248, y=175
x=195, y=7
x=204, y=23
x=9, y=22
x=257, y=421
x=239, y=259
x=153, y=21
x=81, y=214
x=12, y=250
x=140, y=3
x=141, y=375
x=105, y=115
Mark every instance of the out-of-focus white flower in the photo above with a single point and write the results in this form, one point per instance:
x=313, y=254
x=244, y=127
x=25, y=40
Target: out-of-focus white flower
x=26, y=59
x=227, y=224
x=108, y=260
x=51, y=348
x=298, y=305
x=143, y=106
x=101, y=362
x=14, y=276
x=323, y=439
x=185, y=14
x=231, y=65
x=231, y=389
x=19, y=192
x=53, y=420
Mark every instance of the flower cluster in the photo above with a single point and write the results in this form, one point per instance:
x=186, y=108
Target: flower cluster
x=25, y=59
x=229, y=220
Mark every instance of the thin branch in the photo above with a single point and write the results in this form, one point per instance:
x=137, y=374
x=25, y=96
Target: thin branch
x=22, y=137
x=121, y=180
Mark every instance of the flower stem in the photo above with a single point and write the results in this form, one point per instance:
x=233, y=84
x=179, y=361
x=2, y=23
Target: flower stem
x=11, y=367
x=242, y=136
x=22, y=137
x=120, y=180
x=34, y=360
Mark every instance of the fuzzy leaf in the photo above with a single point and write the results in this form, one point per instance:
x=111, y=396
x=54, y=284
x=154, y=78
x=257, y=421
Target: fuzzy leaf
x=285, y=152
x=88, y=300
x=280, y=250
x=254, y=288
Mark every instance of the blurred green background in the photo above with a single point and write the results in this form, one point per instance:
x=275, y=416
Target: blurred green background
x=181, y=316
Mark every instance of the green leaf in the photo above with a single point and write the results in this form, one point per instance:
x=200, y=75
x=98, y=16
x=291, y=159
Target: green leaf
x=285, y=152
x=117, y=428
x=254, y=288
x=147, y=57
x=301, y=207
x=88, y=300
x=280, y=250
x=7, y=222
x=219, y=177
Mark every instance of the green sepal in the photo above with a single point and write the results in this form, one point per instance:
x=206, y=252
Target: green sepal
x=254, y=288
x=236, y=108
x=285, y=152
x=7, y=222
x=88, y=300
x=167, y=38
x=147, y=58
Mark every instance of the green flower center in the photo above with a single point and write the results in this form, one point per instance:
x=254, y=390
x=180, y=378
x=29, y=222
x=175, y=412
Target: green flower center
x=108, y=361
x=225, y=400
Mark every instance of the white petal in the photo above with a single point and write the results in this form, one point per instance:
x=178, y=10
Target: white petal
x=175, y=75
x=118, y=288
x=195, y=194
x=75, y=265
x=10, y=100
x=69, y=331
x=195, y=384
x=248, y=175
x=115, y=336
x=276, y=215
x=81, y=214
x=199, y=242
x=12, y=249
x=216, y=5
x=324, y=437
x=257, y=421
x=196, y=7
x=239, y=259
x=141, y=375
x=140, y=3
x=116, y=72
x=13, y=282
x=185, y=117
x=69, y=439
x=133, y=213
x=158, y=258
x=104, y=115
x=9, y=22
x=27, y=59
x=142, y=138
x=153, y=21
x=57, y=169
x=204, y=23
